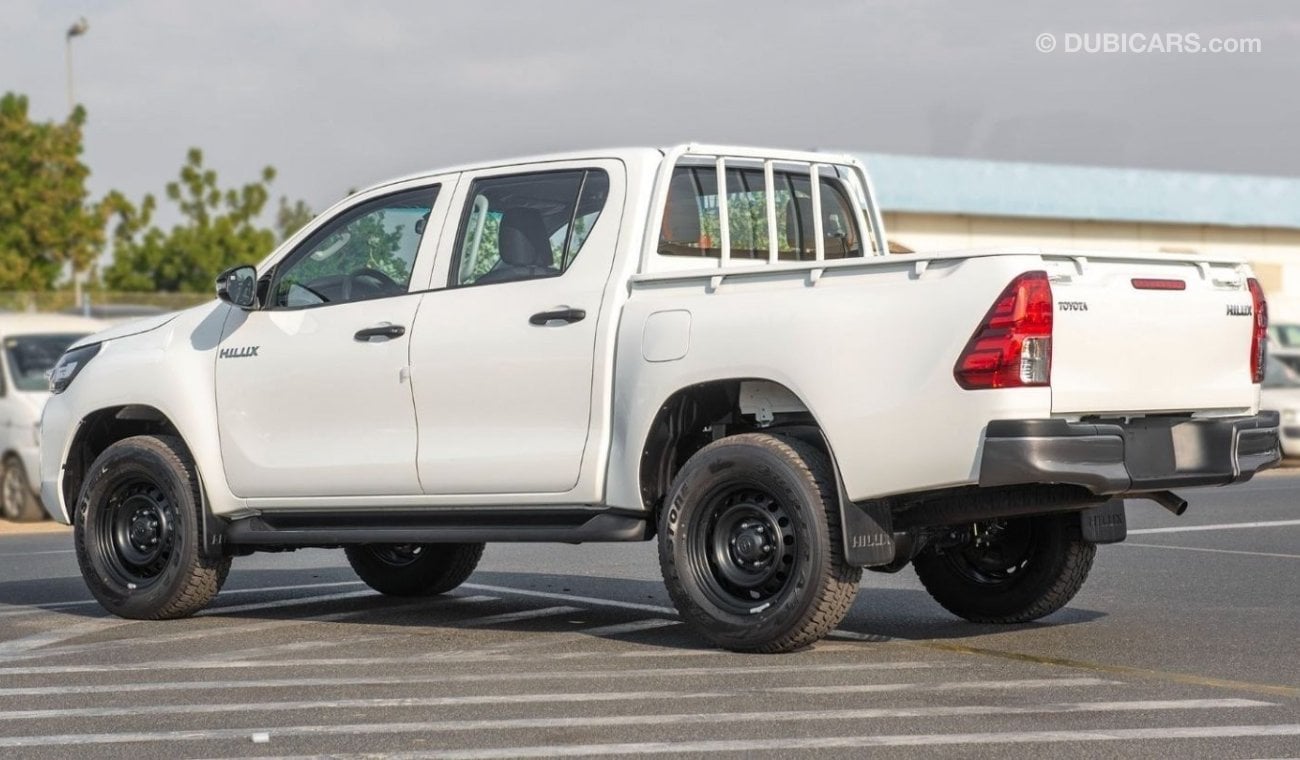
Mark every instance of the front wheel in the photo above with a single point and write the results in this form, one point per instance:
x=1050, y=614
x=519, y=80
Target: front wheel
x=1011, y=571
x=414, y=569
x=138, y=535
x=750, y=547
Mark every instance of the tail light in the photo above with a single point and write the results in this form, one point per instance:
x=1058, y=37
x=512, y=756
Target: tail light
x=1012, y=348
x=1259, y=337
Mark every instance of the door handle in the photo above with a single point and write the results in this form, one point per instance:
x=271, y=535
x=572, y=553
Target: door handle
x=380, y=331
x=568, y=316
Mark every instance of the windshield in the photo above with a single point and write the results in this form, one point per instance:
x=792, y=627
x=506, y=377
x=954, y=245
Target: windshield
x=1278, y=375
x=30, y=356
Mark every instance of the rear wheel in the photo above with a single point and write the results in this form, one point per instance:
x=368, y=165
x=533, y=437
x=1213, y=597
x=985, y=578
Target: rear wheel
x=750, y=547
x=138, y=537
x=1012, y=571
x=414, y=569
x=18, y=502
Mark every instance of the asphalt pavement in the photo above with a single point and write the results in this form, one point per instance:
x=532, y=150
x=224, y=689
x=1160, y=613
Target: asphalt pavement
x=1184, y=643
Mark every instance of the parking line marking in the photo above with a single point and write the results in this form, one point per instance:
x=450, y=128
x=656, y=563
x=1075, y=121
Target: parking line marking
x=55, y=606
x=1220, y=526
x=514, y=617
x=1120, y=670
x=520, y=699
x=591, y=600
x=640, y=719
x=439, y=661
x=1214, y=551
x=234, y=630
x=848, y=742
x=633, y=627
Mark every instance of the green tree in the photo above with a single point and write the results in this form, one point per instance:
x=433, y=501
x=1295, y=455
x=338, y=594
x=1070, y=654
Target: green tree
x=219, y=229
x=290, y=218
x=47, y=224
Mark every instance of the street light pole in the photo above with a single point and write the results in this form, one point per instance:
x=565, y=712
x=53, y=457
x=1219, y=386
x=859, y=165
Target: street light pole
x=76, y=30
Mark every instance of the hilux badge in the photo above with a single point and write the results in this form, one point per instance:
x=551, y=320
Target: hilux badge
x=239, y=353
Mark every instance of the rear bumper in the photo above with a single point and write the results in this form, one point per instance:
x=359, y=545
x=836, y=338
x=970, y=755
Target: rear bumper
x=1138, y=456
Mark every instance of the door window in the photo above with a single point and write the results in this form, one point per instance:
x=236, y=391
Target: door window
x=526, y=226
x=367, y=252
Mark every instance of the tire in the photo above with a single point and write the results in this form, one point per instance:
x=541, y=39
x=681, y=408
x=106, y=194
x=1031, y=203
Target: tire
x=414, y=569
x=138, y=534
x=750, y=545
x=18, y=502
x=1031, y=568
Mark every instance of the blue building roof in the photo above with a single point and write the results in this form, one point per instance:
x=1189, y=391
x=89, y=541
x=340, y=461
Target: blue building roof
x=1003, y=188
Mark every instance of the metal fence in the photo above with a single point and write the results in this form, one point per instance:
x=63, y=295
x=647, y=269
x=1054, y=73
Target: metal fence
x=98, y=302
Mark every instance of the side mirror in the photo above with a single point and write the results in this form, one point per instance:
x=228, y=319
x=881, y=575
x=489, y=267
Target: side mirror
x=237, y=286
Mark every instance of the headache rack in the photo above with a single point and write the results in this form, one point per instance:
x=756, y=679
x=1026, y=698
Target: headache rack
x=724, y=157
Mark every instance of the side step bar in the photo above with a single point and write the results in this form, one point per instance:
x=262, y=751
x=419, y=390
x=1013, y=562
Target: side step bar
x=296, y=528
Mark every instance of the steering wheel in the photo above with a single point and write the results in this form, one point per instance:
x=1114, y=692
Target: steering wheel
x=386, y=285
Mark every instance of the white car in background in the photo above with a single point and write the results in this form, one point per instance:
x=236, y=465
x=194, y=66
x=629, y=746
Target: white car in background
x=30, y=344
x=1280, y=392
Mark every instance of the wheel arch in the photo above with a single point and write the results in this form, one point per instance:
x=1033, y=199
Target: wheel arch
x=102, y=428
x=690, y=418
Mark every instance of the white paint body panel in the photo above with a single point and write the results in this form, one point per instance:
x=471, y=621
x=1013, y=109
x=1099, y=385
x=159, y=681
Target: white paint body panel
x=475, y=407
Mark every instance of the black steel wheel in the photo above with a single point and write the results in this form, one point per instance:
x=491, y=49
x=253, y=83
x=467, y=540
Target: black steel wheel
x=138, y=536
x=414, y=569
x=750, y=546
x=1010, y=571
x=18, y=502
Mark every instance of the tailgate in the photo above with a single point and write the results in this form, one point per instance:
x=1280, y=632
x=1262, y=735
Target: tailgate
x=1125, y=339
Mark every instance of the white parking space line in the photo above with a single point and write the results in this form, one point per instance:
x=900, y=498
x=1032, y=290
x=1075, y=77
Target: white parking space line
x=547, y=698
x=232, y=630
x=514, y=617
x=1220, y=526
x=1214, y=551
x=642, y=719
x=3, y=555
x=1024, y=683
x=290, y=602
x=25, y=644
x=588, y=600
x=55, y=606
x=633, y=627
x=850, y=742
x=318, y=664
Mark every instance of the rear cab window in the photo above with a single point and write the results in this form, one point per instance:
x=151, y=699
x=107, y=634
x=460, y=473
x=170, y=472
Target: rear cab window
x=691, y=227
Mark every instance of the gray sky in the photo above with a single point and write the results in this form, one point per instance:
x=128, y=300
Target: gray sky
x=338, y=94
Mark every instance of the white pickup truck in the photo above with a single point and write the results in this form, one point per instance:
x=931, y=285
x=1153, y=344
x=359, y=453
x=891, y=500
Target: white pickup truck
x=705, y=344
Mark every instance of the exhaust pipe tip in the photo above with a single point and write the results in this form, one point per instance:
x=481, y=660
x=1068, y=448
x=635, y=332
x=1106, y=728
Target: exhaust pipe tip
x=1169, y=500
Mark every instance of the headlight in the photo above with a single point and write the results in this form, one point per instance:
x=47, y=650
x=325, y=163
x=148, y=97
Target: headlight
x=69, y=365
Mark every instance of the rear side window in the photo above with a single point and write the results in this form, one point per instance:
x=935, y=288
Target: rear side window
x=691, y=227
x=526, y=226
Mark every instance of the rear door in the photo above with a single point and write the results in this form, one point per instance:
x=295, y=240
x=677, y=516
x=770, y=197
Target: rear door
x=502, y=357
x=1150, y=336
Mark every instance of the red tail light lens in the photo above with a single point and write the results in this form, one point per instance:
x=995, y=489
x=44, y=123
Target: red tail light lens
x=1013, y=346
x=1259, y=337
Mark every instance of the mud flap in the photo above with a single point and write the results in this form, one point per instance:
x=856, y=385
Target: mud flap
x=1105, y=524
x=868, y=532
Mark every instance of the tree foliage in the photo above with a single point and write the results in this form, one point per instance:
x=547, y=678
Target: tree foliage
x=219, y=229
x=47, y=223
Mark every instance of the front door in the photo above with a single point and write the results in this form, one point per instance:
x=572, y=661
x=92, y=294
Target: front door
x=502, y=359
x=313, y=390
